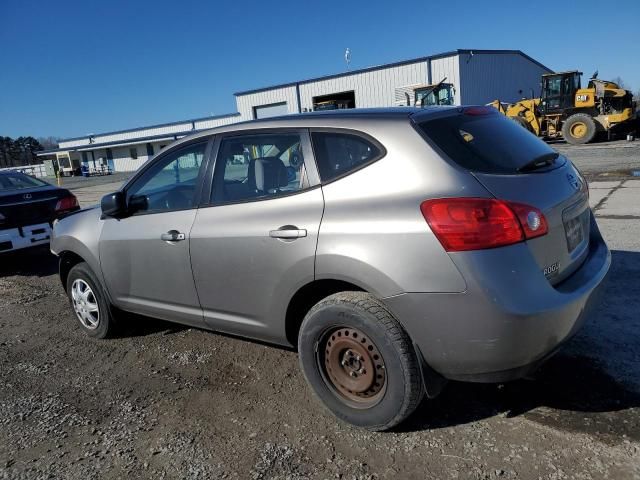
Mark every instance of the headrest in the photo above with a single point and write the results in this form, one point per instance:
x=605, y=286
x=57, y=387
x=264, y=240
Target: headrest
x=267, y=174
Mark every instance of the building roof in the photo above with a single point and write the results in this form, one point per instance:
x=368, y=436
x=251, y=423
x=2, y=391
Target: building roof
x=148, y=127
x=116, y=143
x=391, y=65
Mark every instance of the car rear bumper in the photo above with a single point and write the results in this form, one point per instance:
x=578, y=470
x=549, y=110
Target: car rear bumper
x=29, y=236
x=508, y=321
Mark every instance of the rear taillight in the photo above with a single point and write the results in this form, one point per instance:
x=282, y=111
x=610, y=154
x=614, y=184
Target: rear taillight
x=66, y=204
x=479, y=223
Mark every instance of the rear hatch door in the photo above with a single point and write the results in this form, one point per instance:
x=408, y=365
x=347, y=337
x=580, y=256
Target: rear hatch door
x=515, y=165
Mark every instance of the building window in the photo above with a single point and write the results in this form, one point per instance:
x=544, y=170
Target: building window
x=149, y=150
x=270, y=110
x=133, y=153
x=335, y=101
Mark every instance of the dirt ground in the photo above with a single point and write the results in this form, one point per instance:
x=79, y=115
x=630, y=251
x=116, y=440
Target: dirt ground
x=164, y=401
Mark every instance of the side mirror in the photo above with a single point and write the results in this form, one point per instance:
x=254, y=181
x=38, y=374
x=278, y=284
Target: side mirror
x=113, y=204
x=138, y=203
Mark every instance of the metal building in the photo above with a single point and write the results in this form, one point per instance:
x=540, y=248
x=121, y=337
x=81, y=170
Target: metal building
x=475, y=77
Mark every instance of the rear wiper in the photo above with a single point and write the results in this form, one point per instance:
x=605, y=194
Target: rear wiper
x=542, y=161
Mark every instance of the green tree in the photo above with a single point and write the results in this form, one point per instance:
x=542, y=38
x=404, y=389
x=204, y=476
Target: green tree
x=18, y=152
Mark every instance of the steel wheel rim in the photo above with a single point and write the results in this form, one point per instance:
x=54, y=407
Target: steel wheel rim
x=578, y=130
x=352, y=367
x=85, y=304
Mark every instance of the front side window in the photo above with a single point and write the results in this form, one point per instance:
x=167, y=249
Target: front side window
x=553, y=86
x=340, y=153
x=259, y=166
x=170, y=184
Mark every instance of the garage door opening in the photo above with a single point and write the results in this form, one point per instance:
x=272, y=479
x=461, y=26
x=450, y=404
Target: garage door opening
x=271, y=110
x=335, y=101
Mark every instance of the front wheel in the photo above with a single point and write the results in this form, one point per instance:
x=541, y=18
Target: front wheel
x=89, y=302
x=579, y=129
x=359, y=361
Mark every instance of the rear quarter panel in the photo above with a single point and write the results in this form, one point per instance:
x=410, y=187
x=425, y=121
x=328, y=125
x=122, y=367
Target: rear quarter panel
x=373, y=233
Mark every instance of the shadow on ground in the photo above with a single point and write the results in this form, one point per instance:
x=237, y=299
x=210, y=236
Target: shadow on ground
x=37, y=261
x=580, y=388
x=133, y=325
x=567, y=393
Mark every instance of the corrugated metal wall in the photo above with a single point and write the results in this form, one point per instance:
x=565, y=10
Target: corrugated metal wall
x=217, y=122
x=372, y=89
x=478, y=79
x=504, y=76
x=447, y=67
x=246, y=102
x=122, y=161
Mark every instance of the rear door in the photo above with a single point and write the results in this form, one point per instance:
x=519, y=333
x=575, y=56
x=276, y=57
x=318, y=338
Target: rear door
x=254, y=245
x=515, y=165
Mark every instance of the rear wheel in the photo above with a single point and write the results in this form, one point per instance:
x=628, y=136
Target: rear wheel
x=579, y=129
x=89, y=302
x=359, y=361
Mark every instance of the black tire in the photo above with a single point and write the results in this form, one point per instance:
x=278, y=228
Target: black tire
x=403, y=387
x=579, y=129
x=105, y=324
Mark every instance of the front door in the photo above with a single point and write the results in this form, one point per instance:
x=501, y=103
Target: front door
x=254, y=246
x=110, y=164
x=145, y=256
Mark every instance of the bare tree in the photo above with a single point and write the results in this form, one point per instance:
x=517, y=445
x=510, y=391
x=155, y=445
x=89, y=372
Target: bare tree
x=48, y=143
x=620, y=82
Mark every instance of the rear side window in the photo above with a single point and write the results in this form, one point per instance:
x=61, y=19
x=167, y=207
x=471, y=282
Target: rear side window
x=340, y=153
x=18, y=181
x=487, y=143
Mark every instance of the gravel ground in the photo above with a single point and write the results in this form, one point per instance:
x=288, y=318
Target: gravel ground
x=164, y=401
x=604, y=160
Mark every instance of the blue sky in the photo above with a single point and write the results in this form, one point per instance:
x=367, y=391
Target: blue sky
x=72, y=67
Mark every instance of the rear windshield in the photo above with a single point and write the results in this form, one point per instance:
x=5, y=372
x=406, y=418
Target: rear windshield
x=18, y=181
x=488, y=143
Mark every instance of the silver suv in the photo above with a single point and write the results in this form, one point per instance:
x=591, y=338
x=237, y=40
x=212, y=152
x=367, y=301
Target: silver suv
x=394, y=248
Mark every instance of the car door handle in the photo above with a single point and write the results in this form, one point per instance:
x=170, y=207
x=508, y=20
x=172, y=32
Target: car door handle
x=288, y=232
x=172, y=236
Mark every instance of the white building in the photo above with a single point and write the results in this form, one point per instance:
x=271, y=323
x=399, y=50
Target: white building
x=477, y=77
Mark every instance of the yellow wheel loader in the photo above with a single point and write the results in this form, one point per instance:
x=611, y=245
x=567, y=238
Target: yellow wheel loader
x=575, y=113
x=424, y=95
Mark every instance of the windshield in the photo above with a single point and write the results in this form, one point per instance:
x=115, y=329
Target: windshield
x=486, y=142
x=18, y=181
x=442, y=95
